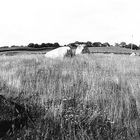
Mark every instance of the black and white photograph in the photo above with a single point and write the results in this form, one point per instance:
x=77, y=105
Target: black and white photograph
x=69, y=70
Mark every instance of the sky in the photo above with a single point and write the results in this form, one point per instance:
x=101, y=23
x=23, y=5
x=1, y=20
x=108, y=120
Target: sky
x=65, y=21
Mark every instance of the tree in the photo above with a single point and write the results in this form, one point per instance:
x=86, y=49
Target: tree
x=5, y=47
x=36, y=46
x=31, y=45
x=132, y=46
x=97, y=44
x=56, y=45
x=14, y=46
x=106, y=44
x=123, y=44
x=117, y=45
x=77, y=42
x=89, y=44
x=72, y=45
x=49, y=45
x=43, y=45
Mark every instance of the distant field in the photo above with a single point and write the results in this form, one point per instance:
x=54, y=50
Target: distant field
x=115, y=50
x=86, y=97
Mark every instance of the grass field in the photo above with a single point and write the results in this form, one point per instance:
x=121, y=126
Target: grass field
x=87, y=97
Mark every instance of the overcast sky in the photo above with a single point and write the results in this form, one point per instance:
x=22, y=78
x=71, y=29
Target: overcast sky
x=65, y=21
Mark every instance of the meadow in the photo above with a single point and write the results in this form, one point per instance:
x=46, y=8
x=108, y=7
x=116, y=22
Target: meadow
x=87, y=97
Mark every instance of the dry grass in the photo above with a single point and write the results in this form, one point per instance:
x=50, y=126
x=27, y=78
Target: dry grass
x=86, y=97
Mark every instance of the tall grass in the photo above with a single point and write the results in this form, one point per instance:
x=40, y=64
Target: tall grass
x=82, y=98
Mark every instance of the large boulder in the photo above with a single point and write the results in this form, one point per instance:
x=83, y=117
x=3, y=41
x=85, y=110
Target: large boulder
x=59, y=53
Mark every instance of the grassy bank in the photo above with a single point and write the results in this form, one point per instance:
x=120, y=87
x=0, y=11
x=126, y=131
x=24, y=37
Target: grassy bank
x=86, y=97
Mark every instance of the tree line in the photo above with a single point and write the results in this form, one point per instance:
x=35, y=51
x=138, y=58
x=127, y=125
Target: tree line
x=88, y=44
